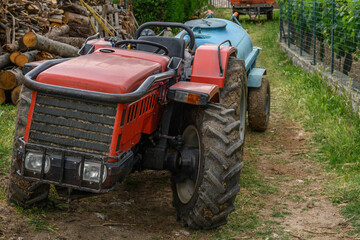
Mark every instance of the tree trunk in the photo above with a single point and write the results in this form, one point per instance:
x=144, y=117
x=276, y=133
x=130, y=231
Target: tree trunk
x=74, y=41
x=15, y=94
x=39, y=42
x=4, y=60
x=58, y=31
x=11, y=47
x=26, y=57
x=11, y=78
x=347, y=63
x=73, y=17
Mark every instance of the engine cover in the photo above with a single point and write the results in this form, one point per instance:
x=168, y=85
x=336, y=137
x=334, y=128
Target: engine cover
x=107, y=70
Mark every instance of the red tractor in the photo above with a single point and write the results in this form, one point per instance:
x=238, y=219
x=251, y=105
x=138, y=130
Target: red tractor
x=254, y=8
x=84, y=123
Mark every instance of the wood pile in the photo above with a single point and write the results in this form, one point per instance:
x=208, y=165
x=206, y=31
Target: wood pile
x=47, y=29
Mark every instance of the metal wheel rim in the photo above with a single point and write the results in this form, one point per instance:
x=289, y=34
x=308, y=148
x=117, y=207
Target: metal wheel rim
x=185, y=190
x=242, y=116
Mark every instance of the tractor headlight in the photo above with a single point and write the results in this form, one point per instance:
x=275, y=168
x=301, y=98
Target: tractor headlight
x=33, y=162
x=92, y=171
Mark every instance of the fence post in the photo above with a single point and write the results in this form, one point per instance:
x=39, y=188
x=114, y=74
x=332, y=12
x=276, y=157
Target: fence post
x=289, y=17
x=314, y=35
x=281, y=20
x=301, y=27
x=332, y=35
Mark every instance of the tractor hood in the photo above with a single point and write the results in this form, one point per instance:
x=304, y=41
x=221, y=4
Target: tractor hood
x=108, y=70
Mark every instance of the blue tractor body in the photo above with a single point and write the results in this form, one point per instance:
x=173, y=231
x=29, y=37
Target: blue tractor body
x=216, y=31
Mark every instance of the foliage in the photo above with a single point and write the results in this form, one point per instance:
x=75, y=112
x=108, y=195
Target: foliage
x=166, y=10
x=346, y=24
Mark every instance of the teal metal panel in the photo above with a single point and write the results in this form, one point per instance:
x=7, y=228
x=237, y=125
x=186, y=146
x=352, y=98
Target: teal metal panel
x=255, y=77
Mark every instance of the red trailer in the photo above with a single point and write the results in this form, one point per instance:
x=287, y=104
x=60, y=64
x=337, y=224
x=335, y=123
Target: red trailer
x=254, y=8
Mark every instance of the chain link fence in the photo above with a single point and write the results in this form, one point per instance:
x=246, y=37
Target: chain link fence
x=327, y=31
x=220, y=3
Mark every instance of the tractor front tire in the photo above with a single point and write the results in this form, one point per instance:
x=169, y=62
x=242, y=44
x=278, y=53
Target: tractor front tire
x=206, y=202
x=259, y=106
x=21, y=191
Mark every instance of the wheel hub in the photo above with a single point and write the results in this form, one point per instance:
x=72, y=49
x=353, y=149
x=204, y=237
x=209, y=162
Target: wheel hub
x=189, y=165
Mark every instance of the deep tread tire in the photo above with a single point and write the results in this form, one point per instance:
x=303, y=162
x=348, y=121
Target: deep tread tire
x=20, y=191
x=235, y=84
x=220, y=165
x=259, y=106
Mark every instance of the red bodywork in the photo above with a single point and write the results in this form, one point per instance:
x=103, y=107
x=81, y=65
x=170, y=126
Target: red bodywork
x=120, y=71
x=206, y=68
x=201, y=88
x=99, y=43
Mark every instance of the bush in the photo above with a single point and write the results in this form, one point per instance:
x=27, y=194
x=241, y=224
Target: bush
x=166, y=10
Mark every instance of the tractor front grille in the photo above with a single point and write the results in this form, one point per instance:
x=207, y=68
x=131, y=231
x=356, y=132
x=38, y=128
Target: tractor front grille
x=72, y=124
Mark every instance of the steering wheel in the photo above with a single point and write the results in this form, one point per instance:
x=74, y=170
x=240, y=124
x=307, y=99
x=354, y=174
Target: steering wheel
x=171, y=25
x=154, y=44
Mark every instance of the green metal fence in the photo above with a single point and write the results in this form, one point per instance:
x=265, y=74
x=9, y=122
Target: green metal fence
x=327, y=31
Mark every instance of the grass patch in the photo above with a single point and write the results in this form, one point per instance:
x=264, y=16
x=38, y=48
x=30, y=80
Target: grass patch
x=306, y=98
x=7, y=126
x=36, y=217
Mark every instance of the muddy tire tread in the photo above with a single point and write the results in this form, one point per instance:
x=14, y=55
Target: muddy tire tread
x=220, y=182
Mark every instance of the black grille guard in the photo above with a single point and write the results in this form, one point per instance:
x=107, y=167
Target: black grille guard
x=30, y=82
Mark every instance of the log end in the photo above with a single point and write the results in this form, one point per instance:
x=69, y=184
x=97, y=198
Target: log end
x=7, y=80
x=30, y=39
x=21, y=60
x=2, y=96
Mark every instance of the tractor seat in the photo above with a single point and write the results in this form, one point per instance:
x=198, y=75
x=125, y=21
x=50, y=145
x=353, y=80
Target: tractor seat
x=176, y=46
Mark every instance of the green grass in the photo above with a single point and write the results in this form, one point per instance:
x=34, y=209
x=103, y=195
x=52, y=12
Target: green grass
x=7, y=125
x=306, y=98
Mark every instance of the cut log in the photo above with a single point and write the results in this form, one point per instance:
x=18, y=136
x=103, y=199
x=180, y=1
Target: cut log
x=11, y=47
x=2, y=96
x=39, y=42
x=4, y=60
x=11, y=78
x=75, y=8
x=77, y=18
x=13, y=55
x=22, y=46
x=58, y=31
x=26, y=57
x=44, y=56
x=74, y=41
x=15, y=94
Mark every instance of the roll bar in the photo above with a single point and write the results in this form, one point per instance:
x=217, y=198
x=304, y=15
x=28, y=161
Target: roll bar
x=171, y=25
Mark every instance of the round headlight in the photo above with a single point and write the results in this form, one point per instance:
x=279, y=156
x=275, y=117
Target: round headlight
x=33, y=162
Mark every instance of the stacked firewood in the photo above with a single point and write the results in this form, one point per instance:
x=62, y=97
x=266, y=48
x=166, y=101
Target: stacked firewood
x=47, y=29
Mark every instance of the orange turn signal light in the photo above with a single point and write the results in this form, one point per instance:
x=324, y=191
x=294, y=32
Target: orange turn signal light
x=193, y=98
x=236, y=14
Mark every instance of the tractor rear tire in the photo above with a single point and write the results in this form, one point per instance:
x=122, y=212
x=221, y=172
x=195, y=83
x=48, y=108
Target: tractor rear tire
x=269, y=15
x=259, y=106
x=206, y=203
x=21, y=191
x=234, y=93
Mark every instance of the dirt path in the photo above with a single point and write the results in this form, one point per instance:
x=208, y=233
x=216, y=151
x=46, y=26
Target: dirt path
x=299, y=205
x=141, y=207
